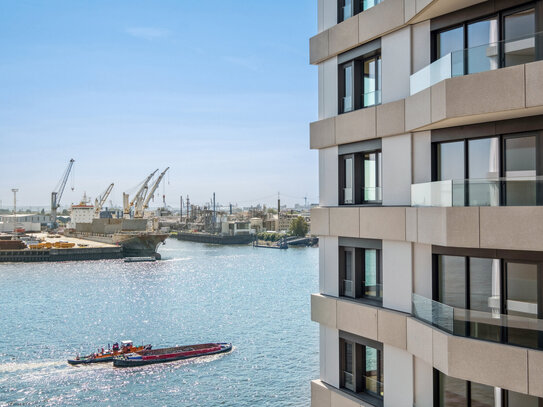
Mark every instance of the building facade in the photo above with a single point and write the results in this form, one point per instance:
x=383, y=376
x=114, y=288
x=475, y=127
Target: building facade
x=430, y=220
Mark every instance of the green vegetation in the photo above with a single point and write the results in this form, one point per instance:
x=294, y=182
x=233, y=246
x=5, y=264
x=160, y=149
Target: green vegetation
x=271, y=236
x=298, y=227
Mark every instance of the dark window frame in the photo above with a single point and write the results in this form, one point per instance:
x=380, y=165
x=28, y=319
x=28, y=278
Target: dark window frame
x=500, y=16
x=359, y=274
x=436, y=393
x=360, y=342
x=502, y=138
x=504, y=257
x=359, y=177
x=358, y=7
x=357, y=88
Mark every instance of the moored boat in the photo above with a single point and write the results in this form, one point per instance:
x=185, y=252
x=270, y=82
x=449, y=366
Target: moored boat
x=107, y=355
x=170, y=354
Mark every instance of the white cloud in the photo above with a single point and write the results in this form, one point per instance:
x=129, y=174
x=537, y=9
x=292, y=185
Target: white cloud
x=148, y=33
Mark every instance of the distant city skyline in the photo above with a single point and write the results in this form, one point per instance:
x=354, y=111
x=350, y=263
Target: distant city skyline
x=127, y=87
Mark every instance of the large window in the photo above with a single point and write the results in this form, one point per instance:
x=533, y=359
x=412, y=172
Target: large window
x=503, y=39
x=360, y=273
x=361, y=367
x=490, y=288
x=483, y=163
x=360, y=178
x=360, y=82
x=452, y=392
x=349, y=8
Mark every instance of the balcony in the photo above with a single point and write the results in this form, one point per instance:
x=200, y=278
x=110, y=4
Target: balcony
x=512, y=191
x=482, y=58
x=489, y=326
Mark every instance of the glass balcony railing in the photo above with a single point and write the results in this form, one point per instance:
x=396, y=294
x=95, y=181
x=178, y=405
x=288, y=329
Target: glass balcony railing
x=486, y=57
x=371, y=98
x=373, y=386
x=512, y=191
x=372, y=194
x=366, y=4
x=373, y=290
x=490, y=326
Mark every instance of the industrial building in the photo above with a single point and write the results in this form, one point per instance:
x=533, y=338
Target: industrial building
x=430, y=143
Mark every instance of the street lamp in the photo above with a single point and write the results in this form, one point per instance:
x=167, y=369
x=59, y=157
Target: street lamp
x=14, y=190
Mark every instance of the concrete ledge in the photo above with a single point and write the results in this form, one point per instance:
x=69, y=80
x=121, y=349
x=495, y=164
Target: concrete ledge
x=392, y=328
x=512, y=227
x=385, y=17
x=345, y=222
x=357, y=319
x=325, y=395
x=387, y=223
x=323, y=310
x=320, y=221
x=500, y=365
x=489, y=96
x=501, y=227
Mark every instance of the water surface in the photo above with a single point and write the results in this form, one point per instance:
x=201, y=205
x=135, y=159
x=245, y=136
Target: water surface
x=258, y=299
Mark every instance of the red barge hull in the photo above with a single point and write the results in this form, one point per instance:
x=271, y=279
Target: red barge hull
x=171, y=354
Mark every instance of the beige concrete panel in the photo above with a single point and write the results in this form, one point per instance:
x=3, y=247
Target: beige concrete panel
x=534, y=84
x=419, y=340
x=462, y=226
x=323, y=310
x=322, y=133
x=382, y=18
x=410, y=9
x=411, y=224
x=320, y=221
x=318, y=47
x=512, y=227
x=342, y=399
x=391, y=118
x=320, y=394
x=382, y=223
x=357, y=318
x=422, y=156
x=392, y=328
x=486, y=92
x=418, y=110
x=344, y=222
x=422, y=269
x=343, y=36
x=356, y=126
x=488, y=363
x=431, y=226
x=440, y=351
x=439, y=98
x=535, y=373
x=421, y=4
x=424, y=381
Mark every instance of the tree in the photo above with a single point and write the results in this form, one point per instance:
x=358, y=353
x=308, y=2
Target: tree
x=298, y=226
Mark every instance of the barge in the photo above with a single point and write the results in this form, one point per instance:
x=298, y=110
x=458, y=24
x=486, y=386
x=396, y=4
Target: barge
x=107, y=355
x=170, y=354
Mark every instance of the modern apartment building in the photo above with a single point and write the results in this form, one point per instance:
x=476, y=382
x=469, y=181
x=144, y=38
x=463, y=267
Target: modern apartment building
x=430, y=142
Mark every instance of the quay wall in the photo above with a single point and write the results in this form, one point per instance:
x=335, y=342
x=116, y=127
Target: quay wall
x=95, y=253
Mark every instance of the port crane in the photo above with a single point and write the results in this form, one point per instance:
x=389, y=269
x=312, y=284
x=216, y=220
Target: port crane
x=138, y=198
x=139, y=209
x=98, y=203
x=56, y=195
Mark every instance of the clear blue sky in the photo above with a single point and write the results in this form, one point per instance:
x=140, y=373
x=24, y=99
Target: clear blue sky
x=220, y=91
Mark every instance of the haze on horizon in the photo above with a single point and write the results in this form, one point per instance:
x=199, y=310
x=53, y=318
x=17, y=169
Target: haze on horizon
x=221, y=92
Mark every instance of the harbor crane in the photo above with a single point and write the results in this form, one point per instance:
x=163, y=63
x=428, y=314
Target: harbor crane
x=56, y=195
x=144, y=205
x=138, y=198
x=98, y=203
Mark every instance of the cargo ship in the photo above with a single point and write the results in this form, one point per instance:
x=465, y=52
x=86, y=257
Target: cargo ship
x=133, y=235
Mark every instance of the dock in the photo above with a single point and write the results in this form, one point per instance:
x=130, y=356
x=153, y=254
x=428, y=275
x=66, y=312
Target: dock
x=82, y=250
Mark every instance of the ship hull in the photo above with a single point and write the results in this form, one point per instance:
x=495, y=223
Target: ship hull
x=143, y=244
